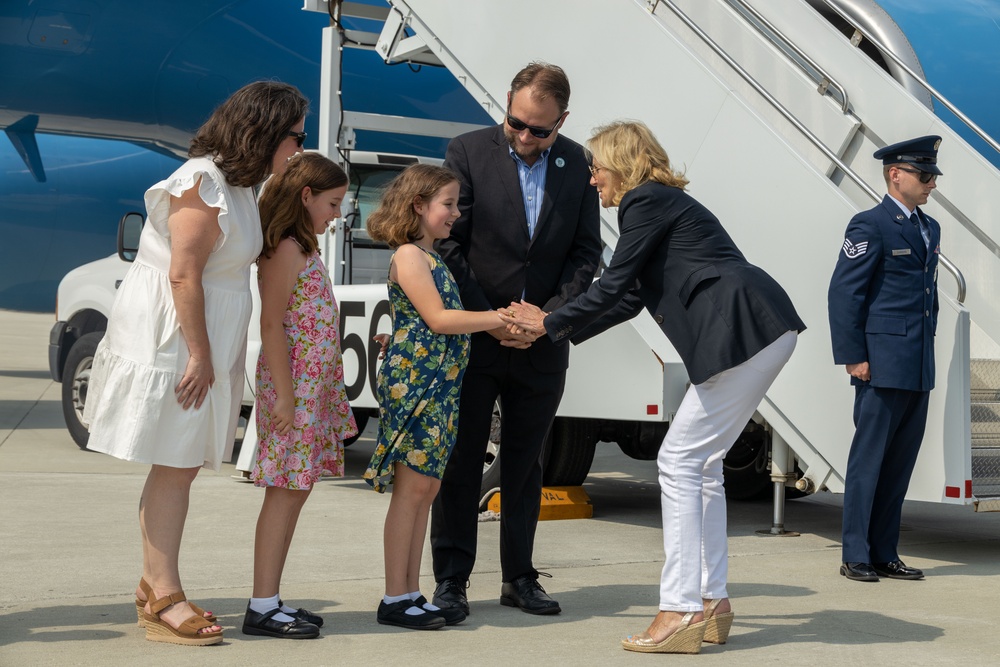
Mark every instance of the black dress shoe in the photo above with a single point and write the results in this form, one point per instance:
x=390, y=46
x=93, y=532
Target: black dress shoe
x=395, y=614
x=858, y=572
x=451, y=615
x=304, y=615
x=527, y=594
x=896, y=569
x=264, y=625
x=450, y=594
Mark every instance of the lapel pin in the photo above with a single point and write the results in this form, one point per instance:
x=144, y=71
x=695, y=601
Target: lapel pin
x=560, y=162
x=900, y=216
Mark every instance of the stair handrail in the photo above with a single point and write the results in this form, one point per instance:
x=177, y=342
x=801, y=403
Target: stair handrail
x=917, y=77
x=827, y=77
x=790, y=117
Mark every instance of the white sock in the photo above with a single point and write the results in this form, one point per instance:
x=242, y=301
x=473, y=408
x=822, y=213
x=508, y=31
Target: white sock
x=288, y=610
x=264, y=605
x=412, y=611
x=427, y=605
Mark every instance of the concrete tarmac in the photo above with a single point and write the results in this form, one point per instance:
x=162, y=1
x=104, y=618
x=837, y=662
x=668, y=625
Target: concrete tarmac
x=70, y=558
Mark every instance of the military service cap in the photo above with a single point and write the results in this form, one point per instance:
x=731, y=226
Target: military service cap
x=920, y=152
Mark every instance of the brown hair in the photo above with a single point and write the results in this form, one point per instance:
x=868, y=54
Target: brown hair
x=243, y=133
x=282, y=213
x=395, y=221
x=628, y=150
x=546, y=81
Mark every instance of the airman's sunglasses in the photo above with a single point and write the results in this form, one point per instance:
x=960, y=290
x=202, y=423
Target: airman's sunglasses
x=924, y=176
x=300, y=138
x=537, y=132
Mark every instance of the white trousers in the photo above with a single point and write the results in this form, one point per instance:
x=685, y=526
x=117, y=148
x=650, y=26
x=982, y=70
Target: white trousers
x=708, y=422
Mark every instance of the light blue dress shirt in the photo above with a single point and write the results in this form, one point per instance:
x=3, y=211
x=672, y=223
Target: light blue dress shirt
x=532, y=180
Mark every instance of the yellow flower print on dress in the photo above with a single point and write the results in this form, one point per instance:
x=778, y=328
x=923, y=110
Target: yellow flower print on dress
x=418, y=389
x=416, y=457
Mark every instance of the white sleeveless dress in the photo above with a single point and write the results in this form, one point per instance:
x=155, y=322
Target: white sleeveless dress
x=131, y=408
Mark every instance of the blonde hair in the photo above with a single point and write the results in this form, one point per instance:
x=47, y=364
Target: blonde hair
x=395, y=221
x=628, y=150
x=282, y=212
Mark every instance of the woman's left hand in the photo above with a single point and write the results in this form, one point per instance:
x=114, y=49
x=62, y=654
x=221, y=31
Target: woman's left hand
x=199, y=376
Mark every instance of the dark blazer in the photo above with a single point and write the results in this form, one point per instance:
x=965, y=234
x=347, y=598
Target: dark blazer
x=489, y=251
x=883, y=299
x=674, y=258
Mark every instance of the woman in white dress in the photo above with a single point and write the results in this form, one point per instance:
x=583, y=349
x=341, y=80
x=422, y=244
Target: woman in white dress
x=166, y=384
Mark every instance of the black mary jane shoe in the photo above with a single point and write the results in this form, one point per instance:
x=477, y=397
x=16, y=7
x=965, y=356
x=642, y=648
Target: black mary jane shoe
x=395, y=614
x=451, y=616
x=264, y=625
x=304, y=615
x=897, y=569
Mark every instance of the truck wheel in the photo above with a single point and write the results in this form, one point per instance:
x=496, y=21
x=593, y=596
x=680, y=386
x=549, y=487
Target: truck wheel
x=491, y=464
x=75, y=383
x=569, y=452
x=745, y=468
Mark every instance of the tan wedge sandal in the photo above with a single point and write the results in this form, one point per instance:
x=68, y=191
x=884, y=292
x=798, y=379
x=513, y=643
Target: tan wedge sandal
x=717, y=626
x=158, y=630
x=686, y=638
x=140, y=606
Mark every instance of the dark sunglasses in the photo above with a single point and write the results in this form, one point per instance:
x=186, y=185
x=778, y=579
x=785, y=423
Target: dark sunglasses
x=537, y=132
x=300, y=138
x=924, y=176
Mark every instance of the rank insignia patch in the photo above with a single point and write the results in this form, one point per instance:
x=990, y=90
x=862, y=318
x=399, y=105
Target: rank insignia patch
x=854, y=250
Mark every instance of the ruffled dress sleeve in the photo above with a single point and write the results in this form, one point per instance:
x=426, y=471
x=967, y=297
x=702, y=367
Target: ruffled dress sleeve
x=211, y=189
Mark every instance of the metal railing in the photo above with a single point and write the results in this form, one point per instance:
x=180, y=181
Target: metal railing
x=826, y=81
x=790, y=117
x=885, y=51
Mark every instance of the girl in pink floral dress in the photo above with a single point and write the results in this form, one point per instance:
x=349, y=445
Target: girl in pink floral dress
x=302, y=411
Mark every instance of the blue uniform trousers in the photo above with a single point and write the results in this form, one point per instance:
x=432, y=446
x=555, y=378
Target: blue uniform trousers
x=889, y=425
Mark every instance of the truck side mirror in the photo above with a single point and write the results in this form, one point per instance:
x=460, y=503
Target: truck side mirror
x=129, y=229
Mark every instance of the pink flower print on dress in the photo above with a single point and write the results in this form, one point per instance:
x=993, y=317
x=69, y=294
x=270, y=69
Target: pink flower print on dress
x=323, y=418
x=311, y=290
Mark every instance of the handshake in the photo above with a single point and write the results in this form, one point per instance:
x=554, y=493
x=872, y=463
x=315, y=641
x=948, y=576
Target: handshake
x=524, y=324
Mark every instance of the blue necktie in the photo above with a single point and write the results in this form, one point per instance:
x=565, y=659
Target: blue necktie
x=924, y=232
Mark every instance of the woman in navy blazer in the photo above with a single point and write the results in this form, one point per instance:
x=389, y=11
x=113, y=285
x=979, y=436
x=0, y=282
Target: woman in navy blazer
x=734, y=328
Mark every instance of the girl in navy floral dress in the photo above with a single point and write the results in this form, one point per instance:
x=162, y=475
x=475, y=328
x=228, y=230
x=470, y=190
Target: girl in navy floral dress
x=419, y=382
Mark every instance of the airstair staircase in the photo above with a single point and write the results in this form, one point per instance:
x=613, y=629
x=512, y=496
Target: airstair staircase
x=774, y=114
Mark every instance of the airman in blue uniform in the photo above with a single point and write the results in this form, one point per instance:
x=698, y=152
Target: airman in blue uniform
x=883, y=307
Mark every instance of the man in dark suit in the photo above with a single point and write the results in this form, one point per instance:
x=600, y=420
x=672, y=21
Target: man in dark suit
x=883, y=308
x=529, y=228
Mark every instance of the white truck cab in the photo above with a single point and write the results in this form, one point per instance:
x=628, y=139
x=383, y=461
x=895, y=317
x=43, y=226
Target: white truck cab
x=591, y=409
